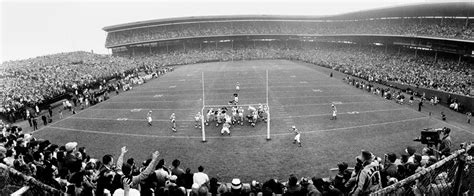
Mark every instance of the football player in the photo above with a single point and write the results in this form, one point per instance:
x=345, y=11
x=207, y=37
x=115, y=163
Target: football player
x=173, y=122
x=297, y=135
x=197, y=119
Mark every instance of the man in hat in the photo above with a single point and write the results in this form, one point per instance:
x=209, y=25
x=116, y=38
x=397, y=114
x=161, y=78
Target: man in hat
x=368, y=180
x=297, y=135
x=236, y=186
x=71, y=161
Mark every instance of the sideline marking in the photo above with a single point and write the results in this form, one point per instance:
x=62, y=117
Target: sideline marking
x=136, y=110
x=133, y=119
x=353, y=112
x=233, y=137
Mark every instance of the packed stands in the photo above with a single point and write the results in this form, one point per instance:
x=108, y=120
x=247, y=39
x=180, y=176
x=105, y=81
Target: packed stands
x=453, y=28
x=31, y=82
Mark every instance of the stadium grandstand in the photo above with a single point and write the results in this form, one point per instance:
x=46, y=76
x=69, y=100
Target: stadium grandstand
x=412, y=65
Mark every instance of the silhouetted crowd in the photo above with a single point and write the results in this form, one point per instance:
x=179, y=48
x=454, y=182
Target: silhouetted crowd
x=69, y=168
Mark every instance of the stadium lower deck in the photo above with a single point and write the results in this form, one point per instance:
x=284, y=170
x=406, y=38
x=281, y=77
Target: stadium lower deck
x=299, y=94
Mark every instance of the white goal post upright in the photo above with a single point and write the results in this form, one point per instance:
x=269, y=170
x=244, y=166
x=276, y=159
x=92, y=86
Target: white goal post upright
x=202, y=110
x=268, y=107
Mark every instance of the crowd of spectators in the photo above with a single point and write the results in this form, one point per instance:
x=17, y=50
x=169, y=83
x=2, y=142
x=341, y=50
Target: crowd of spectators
x=69, y=168
x=31, y=82
x=431, y=27
x=36, y=81
x=372, y=63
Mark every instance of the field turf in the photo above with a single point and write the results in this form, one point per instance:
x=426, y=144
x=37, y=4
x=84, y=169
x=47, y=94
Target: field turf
x=299, y=94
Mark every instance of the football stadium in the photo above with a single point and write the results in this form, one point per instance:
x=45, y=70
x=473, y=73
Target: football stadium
x=373, y=102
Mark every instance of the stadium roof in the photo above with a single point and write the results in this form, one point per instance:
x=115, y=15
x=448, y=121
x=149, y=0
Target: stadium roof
x=452, y=9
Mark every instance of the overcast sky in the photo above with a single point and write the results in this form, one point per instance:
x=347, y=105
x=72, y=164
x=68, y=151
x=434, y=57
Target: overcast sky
x=35, y=28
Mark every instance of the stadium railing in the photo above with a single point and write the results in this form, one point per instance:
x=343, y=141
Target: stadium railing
x=13, y=182
x=448, y=176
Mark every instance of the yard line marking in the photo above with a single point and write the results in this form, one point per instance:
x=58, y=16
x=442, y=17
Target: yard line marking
x=339, y=103
x=291, y=86
x=234, y=136
x=317, y=90
x=127, y=119
x=172, y=87
x=328, y=114
x=160, y=95
x=154, y=109
x=188, y=100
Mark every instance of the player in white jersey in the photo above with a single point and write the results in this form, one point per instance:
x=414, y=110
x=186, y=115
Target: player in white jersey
x=234, y=115
x=334, y=112
x=241, y=111
x=236, y=98
x=237, y=87
x=265, y=113
x=148, y=117
x=209, y=116
x=297, y=135
x=225, y=128
x=219, y=117
x=197, y=119
x=173, y=122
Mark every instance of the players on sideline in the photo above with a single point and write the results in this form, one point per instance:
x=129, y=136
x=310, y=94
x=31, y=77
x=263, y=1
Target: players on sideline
x=173, y=122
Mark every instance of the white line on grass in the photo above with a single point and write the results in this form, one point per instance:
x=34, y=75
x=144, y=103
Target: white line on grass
x=128, y=119
x=286, y=117
x=232, y=137
x=60, y=120
x=340, y=113
x=292, y=86
x=462, y=129
x=342, y=103
x=240, y=100
x=154, y=109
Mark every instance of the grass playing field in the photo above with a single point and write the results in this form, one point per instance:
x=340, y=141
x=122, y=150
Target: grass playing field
x=299, y=94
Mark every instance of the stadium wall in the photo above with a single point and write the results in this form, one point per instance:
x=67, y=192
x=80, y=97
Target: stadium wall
x=467, y=103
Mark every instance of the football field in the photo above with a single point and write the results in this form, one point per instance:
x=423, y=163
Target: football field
x=298, y=94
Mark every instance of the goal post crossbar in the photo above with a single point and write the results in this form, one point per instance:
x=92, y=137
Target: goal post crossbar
x=227, y=106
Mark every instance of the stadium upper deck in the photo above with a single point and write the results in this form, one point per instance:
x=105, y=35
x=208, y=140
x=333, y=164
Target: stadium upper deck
x=439, y=20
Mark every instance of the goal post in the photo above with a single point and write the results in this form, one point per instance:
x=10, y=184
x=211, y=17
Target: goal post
x=205, y=109
x=268, y=107
x=202, y=110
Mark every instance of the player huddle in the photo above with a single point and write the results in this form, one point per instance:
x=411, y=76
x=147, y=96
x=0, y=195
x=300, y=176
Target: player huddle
x=228, y=116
